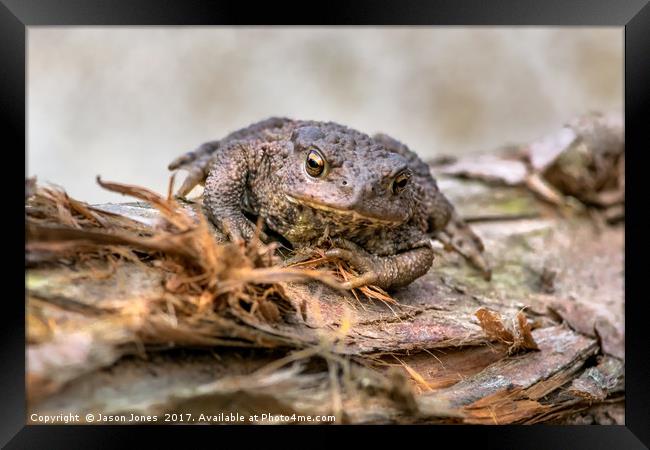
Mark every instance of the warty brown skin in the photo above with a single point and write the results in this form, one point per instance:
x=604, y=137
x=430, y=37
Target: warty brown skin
x=372, y=196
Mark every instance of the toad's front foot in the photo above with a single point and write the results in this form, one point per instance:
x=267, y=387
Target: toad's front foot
x=382, y=271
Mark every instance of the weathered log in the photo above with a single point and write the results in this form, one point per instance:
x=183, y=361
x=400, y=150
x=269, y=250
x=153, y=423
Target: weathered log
x=134, y=308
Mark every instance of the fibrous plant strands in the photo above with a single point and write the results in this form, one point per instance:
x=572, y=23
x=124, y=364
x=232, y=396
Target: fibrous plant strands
x=204, y=280
x=342, y=271
x=52, y=205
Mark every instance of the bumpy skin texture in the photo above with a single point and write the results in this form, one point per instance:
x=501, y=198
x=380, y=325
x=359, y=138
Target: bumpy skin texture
x=382, y=229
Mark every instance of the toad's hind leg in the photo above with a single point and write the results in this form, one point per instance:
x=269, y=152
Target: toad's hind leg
x=196, y=163
x=458, y=236
x=223, y=168
x=225, y=188
x=383, y=271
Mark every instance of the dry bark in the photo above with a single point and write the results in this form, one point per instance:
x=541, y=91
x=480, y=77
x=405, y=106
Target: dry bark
x=134, y=308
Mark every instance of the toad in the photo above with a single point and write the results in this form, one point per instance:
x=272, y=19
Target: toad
x=373, y=198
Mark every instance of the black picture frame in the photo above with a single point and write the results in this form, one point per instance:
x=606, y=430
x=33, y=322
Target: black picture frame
x=634, y=15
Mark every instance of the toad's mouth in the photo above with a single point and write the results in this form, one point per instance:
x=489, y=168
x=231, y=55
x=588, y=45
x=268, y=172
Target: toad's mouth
x=346, y=213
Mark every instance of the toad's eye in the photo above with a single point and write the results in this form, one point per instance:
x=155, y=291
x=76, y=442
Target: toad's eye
x=401, y=181
x=315, y=163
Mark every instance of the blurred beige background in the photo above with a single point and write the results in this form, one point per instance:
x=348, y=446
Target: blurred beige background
x=123, y=102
